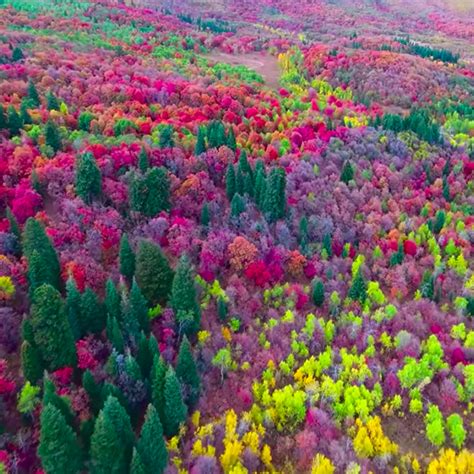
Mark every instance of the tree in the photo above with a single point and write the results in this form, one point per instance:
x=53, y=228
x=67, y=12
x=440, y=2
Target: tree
x=153, y=273
x=35, y=239
x=17, y=55
x=52, y=102
x=73, y=307
x=88, y=178
x=33, y=96
x=127, y=258
x=143, y=161
x=158, y=373
x=166, y=137
x=112, y=300
x=183, y=293
x=93, y=391
x=92, y=313
x=31, y=364
x=3, y=118
x=318, y=293
x=58, y=448
x=358, y=290
x=260, y=184
x=15, y=123
x=205, y=217
x=151, y=444
x=51, y=397
x=137, y=466
x=187, y=373
x=230, y=186
x=51, y=330
x=38, y=272
x=237, y=206
x=138, y=306
x=158, y=192
x=175, y=409
x=347, y=173
x=275, y=197
x=24, y=113
x=231, y=143
x=112, y=440
x=114, y=334
x=200, y=142
x=52, y=136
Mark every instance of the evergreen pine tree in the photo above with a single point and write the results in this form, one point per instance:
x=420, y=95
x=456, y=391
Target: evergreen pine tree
x=183, y=294
x=347, y=173
x=358, y=290
x=143, y=162
x=239, y=181
x=127, y=258
x=139, y=307
x=231, y=143
x=318, y=293
x=260, y=178
x=144, y=355
x=158, y=373
x=205, y=217
x=15, y=123
x=31, y=365
x=220, y=134
x=35, y=239
x=17, y=55
x=93, y=391
x=52, y=136
x=51, y=330
x=112, y=440
x=73, y=307
x=33, y=96
x=88, y=178
x=3, y=118
x=137, y=192
x=187, y=373
x=166, y=137
x=175, y=409
x=237, y=206
x=303, y=235
x=51, y=397
x=158, y=192
x=153, y=273
x=200, y=142
x=230, y=185
x=275, y=196
x=58, y=448
x=52, y=102
x=114, y=334
x=327, y=245
x=137, y=466
x=38, y=272
x=112, y=300
x=151, y=444
x=92, y=314
x=248, y=185
x=24, y=113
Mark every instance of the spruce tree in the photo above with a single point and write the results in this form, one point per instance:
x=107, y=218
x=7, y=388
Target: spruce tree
x=205, y=217
x=51, y=330
x=114, y=334
x=158, y=192
x=73, y=307
x=58, y=448
x=303, y=236
x=38, y=272
x=88, y=178
x=143, y=162
x=17, y=55
x=183, y=294
x=127, y=258
x=130, y=323
x=166, y=137
x=92, y=314
x=112, y=300
x=200, y=142
x=138, y=306
x=153, y=273
x=144, y=355
x=347, y=173
x=51, y=397
x=93, y=391
x=35, y=239
x=151, y=444
x=157, y=377
x=237, y=206
x=31, y=364
x=24, y=113
x=358, y=290
x=137, y=466
x=260, y=184
x=230, y=185
x=112, y=440
x=33, y=96
x=275, y=196
x=327, y=245
x=52, y=136
x=187, y=373
x=52, y=102
x=318, y=293
x=231, y=143
x=15, y=123
x=3, y=118
x=175, y=410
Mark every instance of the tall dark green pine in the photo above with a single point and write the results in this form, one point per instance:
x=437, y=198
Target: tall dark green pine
x=51, y=330
x=73, y=307
x=52, y=102
x=153, y=273
x=144, y=355
x=158, y=192
x=137, y=466
x=237, y=205
x=347, y=173
x=151, y=444
x=139, y=307
x=137, y=192
x=127, y=258
x=58, y=448
x=205, y=217
x=303, y=236
x=183, y=294
x=187, y=373
x=175, y=410
x=230, y=185
x=33, y=96
x=52, y=136
x=51, y=397
x=275, y=196
x=231, y=143
x=35, y=238
x=114, y=334
x=88, y=178
x=327, y=245
x=93, y=391
x=358, y=290
x=112, y=440
x=17, y=54
x=200, y=142
x=166, y=137
x=31, y=364
x=15, y=123
x=158, y=373
x=38, y=272
x=3, y=118
x=24, y=113
x=143, y=161
x=112, y=300
x=260, y=185
x=318, y=293
x=93, y=317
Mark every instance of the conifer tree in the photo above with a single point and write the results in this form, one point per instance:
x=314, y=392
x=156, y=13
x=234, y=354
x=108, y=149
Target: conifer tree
x=151, y=444
x=15, y=123
x=143, y=161
x=200, y=142
x=158, y=373
x=114, y=334
x=237, y=205
x=158, y=192
x=137, y=466
x=52, y=102
x=347, y=173
x=127, y=258
x=33, y=96
x=139, y=307
x=88, y=178
x=183, y=294
x=58, y=449
x=175, y=409
x=153, y=273
x=205, y=217
x=92, y=313
x=112, y=440
x=358, y=290
x=231, y=143
x=24, y=113
x=260, y=185
x=318, y=293
x=144, y=355
x=327, y=245
x=17, y=55
x=230, y=185
x=51, y=397
x=187, y=373
x=303, y=235
x=3, y=118
x=73, y=307
x=38, y=272
x=275, y=196
x=166, y=137
x=52, y=136
x=112, y=300
x=93, y=391
x=31, y=364
x=51, y=330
